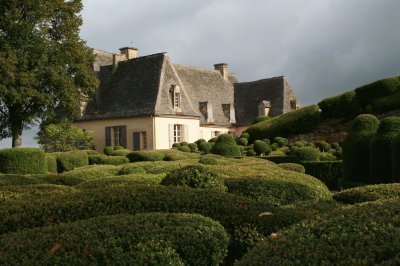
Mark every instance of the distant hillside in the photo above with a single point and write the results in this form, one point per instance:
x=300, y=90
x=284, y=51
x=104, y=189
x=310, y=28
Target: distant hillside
x=331, y=117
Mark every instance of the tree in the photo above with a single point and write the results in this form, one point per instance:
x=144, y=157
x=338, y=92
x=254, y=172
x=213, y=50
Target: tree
x=44, y=65
x=64, y=137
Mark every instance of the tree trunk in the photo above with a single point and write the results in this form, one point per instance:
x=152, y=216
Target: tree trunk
x=16, y=135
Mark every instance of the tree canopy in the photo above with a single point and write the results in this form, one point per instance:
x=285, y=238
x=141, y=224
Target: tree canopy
x=45, y=67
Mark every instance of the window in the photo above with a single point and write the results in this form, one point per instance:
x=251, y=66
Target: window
x=177, y=133
x=176, y=97
x=144, y=139
x=117, y=136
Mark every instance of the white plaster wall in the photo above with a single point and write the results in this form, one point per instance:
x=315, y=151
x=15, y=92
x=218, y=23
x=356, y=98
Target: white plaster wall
x=135, y=124
x=209, y=132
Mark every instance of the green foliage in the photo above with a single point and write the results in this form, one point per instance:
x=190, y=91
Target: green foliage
x=184, y=143
x=261, y=147
x=121, y=181
x=128, y=239
x=356, y=148
x=194, y=176
x=226, y=146
x=380, y=150
x=174, y=157
x=20, y=180
x=81, y=174
x=199, y=141
x=365, y=234
x=329, y=172
x=23, y=161
x=208, y=160
x=297, y=122
x=251, y=153
x=368, y=193
x=184, y=148
x=307, y=154
x=45, y=66
x=343, y=105
x=396, y=159
x=260, y=119
x=67, y=161
x=35, y=191
x=274, y=146
x=114, y=160
x=205, y=147
x=323, y=146
x=212, y=139
x=381, y=88
x=245, y=135
x=387, y=103
x=193, y=146
x=282, y=159
x=282, y=142
x=96, y=159
x=131, y=169
x=138, y=156
x=121, y=152
x=242, y=141
x=63, y=137
x=295, y=167
x=51, y=164
x=108, y=150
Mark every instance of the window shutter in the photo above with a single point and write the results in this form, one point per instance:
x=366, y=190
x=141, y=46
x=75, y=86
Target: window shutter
x=123, y=136
x=185, y=134
x=108, y=136
x=171, y=135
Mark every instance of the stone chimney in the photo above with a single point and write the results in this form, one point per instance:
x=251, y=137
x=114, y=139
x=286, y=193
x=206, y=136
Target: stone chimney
x=223, y=69
x=126, y=53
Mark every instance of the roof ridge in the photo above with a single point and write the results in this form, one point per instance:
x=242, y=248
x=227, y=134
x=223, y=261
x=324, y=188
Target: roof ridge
x=254, y=81
x=196, y=68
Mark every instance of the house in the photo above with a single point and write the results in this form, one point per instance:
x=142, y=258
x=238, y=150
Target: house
x=150, y=103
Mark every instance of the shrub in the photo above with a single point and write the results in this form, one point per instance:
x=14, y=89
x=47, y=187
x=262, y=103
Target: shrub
x=138, y=156
x=387, y=103
x=91, y=152
x=297, y=122
x=327, y=157
x=329, y=172
x=205, y=147
x=251, y=153
x=20, y=180
x=193, y=146
x=121, y=181
x=360, y=235
x=212, y=139
x=199, y=141
x=131, y=169
x=368, y=193
x=380, y=145
x=185, y=148
x=245, y=135
x=356, y=149
x=396, y=159
x=282, y=159
x=194, y=176
x=208, y=160
x=34, y=191
x=260, y=119
x=51, y=164
x=174, y=157
x=22, y=161
x=121, y=152
x=197, y=240
x=282, y=142
x=323, y=146
x=307, y=154
x=367, y=93
x=114, y=160
x=343, y=105
x=76, y=176
x=226, y=146
x=96, y=159
x=335, y=146
x=267, y=141
x=67, y=161
x=294, y=167
x=261, y=148
x=108, y=150
x=274, y=146
x=176, y=145
x=184, y=143
x=242, y=141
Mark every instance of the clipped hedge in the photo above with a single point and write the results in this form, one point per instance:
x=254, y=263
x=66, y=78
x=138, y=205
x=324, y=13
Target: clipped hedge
x=131, y=169
x=282, y=159
x=344, y=105
x=381, y=88
x=368, y=193
x=138, y=156
x=360, y=235
x=307, y=154
x=121, y=181
x=294, y=167
x=84, y=173
x=385, y=104
x=121, y=152
x=20, y=180
x=51, y=164
x=225, y=145
x=22, y=161
x=205, y=147
x=329, y=172
x=114, y=160
x=67, y=161
x=261, y=147
x=296, y=122
x=381, y=150
x=119, y=239
x=396, y=159
x=356, y=148
x=35, y=191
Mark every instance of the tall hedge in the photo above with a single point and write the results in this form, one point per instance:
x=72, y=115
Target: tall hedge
x=226, y=146
x=396, y=160
x=343, y=105
x=297, y=122
x=67, y=161
x=381, y=150
x=368, y=93
x=120, y=240
x=23, y=161
x=356, y=151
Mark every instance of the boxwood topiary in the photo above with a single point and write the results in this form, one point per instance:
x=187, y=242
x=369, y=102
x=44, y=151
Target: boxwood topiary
x=185, y=148
x=381, y=150
x=245, y=135
x=131, y=169
x=67, y=161
x=396, y=159
x=356, y=148
x=138, y=156
x=121, y=152
x=184, y=143
x=323, y=146
x=226, y=146
x=194, y=176
x=114, y=160
x=208, y=160
x=205, y=147
x=193, y=147
x=294, y=167
x=307, y=154
x=176, y=145
x=261, y=148
x=108, y=150
x=368, y=93
x=274, y=147
x=329, y=172
x=282, y=142
x=34, y=191
x=368, y=193
x=242, y=141
x=128, y=239
x=51, y=164
x=365, y=234
x=22, y=161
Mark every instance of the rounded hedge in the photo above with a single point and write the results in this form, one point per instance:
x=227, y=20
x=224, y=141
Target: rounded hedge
x=23, y=161
x=174, y=157
x=307, y=154
x=381, y=150
x=176, y=145
x=114, y=160
x=193, y=146
x=365, y=234
x=260, y=119
x=121, y=152
x=323, y=146
x=274, y=146
x=67, y=161
x=138, y=156
x=245, y=135
x=33, y=191
x=208, y=160
x=282, y=142
x=242, y=141
x=205, y=147
x=184, y=143
x=226, y=146
x=199, y=141
x=396, y=159
x=294, y=167
x=261, y=147
x=131, y=169
x=51, y=164
x=108, y=150
x=120, y=239
x=368, y=193
x=194, y=176
x=356, y=148
x=184, y=148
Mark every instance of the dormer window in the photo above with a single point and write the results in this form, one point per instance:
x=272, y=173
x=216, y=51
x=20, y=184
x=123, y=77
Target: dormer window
x=177, y=98
x=263, y=108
